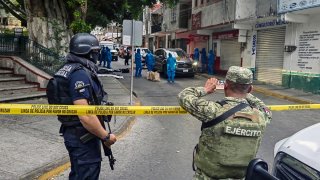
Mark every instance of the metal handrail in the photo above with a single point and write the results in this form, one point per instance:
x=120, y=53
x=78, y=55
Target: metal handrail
x=31, y=51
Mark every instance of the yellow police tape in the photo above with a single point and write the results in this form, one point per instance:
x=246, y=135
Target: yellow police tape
x=45, y=109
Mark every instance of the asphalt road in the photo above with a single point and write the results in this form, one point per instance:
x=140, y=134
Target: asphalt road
x=160, y=147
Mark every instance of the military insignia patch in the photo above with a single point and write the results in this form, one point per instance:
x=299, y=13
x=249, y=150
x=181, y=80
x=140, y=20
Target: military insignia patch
x=80, y=84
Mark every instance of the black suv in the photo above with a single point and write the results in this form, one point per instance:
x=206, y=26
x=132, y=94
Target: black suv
x=184, y=63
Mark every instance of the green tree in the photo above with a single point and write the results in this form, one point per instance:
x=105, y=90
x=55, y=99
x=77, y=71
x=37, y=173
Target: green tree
x=73, y=16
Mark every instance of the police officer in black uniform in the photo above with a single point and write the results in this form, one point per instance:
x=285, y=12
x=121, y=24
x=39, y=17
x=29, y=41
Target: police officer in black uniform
x=74, y=81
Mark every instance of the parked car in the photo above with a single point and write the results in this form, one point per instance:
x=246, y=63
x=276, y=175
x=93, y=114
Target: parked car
x=184, y=62
x=144, y=52
x=296, y=157
x=110, y=45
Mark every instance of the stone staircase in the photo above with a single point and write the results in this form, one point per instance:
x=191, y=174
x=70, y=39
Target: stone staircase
x=14, y=87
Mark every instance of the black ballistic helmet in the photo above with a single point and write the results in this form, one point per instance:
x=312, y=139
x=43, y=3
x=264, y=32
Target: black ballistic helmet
x=83, y=43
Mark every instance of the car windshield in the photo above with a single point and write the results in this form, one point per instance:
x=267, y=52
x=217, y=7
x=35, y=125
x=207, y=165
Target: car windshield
x=178, y=54
x=143, y=51
x=110, y=46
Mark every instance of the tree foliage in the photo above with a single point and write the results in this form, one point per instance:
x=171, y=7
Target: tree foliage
x=86, y=14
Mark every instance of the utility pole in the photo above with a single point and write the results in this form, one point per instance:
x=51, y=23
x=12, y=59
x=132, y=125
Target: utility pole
x=112, y=31
x=147, y=18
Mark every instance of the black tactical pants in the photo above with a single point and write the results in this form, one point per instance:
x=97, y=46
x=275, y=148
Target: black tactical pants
x=85, y=158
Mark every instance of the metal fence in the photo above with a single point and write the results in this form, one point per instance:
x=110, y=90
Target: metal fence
x=32, y=52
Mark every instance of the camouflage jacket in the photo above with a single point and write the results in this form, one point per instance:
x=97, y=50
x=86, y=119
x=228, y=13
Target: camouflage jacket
x=219, y=154
x=204, y=110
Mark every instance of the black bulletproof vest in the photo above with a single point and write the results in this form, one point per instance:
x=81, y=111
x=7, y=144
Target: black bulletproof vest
x=63, y=96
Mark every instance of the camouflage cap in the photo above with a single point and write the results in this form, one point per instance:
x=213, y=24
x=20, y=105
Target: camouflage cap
x=239, y=75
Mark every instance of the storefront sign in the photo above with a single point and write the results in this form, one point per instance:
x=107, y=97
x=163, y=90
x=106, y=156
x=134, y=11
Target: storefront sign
x=226, y=35
x=309, y=49
x=253, y=48
x=272, y=23
x=293, y=5
x=196, y=20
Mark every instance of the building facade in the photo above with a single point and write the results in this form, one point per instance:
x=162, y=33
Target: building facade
x=278, y=40
x=7, y=20
x=301, y=67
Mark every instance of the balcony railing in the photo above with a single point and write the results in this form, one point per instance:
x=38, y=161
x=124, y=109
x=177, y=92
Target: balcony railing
x=30, y=51
x=155, y=28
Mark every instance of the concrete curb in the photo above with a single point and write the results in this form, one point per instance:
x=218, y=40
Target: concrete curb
x=282, y=96
x=271, y=93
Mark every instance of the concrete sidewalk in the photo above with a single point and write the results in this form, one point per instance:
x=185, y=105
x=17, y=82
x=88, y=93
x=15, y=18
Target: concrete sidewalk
x=30, y=145
x=289, y=94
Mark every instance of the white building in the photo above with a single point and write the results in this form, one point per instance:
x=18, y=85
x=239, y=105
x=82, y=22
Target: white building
x=301, y=67
x=279, y=40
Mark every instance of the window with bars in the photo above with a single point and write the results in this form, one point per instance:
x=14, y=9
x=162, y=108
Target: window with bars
x=174, y=14
x=4, y=21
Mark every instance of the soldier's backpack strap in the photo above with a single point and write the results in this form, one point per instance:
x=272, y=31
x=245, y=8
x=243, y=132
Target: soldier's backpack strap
x=224, y=116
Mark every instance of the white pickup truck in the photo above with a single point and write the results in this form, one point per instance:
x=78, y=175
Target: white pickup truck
x=295, y=158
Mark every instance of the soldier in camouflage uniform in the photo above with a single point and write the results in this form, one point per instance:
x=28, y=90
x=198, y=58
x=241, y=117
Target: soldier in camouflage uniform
x=226, y=148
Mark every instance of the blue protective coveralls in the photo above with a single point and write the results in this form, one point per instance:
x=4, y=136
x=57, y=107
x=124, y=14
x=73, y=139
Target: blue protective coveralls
x=150, y=61
x=103, y=56
x=211, y=62
x=138, y=63
x=109, y=58
x=171, y=68
x=196, y=55
x=203, y=59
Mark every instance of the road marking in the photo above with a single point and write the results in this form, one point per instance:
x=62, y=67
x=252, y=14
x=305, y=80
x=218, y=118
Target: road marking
x=54, y=172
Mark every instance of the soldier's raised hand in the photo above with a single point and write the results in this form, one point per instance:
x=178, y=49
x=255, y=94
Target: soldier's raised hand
x=210, y=85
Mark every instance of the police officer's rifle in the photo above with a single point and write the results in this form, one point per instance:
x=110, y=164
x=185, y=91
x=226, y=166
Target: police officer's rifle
x=88, y=136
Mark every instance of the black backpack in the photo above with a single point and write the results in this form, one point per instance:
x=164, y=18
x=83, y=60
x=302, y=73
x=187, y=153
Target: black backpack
x=53, y=92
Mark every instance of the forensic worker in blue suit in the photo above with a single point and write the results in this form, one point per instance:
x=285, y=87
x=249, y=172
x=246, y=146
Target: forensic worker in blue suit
x=211, y=62
x=150, y=61
x=203, y=59
x=108, y=57
x=171, y=68
x=103, y=56
x=196, y=54
x=137, y=60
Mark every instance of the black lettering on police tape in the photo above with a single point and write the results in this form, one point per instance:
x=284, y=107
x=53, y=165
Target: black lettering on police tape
x=40, y=111
x=71, y=111
x=56, y=111
x=294, y=107
x=5, y=110
x=147, y=112
x=124, y=112
x=24, y=111
x=90, y=111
